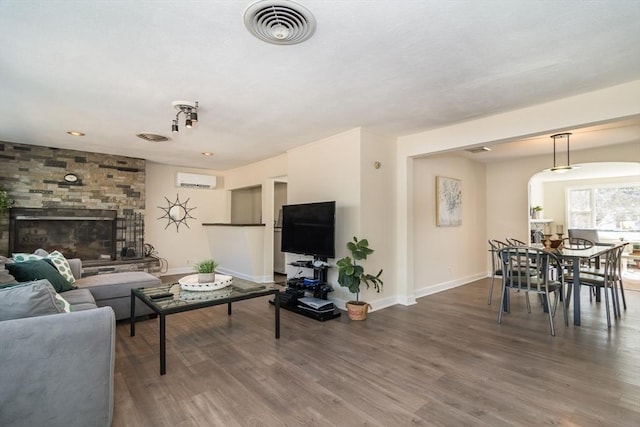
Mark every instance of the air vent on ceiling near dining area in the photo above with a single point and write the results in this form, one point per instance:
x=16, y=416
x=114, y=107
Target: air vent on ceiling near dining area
x=279, y=21
x=477, y=150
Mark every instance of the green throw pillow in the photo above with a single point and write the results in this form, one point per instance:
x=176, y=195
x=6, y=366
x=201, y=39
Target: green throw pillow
x=39, y=269
x=59, y=262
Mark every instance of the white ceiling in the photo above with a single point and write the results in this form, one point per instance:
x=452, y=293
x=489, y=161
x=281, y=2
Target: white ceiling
x=112, y=69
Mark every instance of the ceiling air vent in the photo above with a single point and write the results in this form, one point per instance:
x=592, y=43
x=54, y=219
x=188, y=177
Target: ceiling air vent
x=478, y=150
x=152, y=137
x=279, y=22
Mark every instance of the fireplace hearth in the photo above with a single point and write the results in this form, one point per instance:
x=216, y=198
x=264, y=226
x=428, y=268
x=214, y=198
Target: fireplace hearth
x=88, y=234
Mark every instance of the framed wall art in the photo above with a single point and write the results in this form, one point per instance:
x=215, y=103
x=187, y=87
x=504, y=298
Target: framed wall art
x=448, y=202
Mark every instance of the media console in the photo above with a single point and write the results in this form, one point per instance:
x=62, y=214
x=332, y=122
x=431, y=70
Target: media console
x=316, y=287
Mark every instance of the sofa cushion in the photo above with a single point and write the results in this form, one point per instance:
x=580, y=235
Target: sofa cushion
x=117, y=285
x=56, y=257
x=39, y=269
x=80, y=299
x=29, y=300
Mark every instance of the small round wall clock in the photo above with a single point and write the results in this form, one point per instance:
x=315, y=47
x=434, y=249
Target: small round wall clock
x=71, y=177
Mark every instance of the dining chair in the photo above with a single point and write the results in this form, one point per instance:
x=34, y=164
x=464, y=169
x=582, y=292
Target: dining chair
x=577, y=243
x=494, y=247
x=606, y=280
x=618, y=285
x=529, y=270
x=515, y=242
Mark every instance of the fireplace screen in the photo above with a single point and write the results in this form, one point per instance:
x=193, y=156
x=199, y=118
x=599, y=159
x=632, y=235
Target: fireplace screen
x=87, y=234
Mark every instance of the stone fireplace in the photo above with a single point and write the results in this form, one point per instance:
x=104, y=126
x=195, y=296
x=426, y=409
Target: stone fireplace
x=88, y=234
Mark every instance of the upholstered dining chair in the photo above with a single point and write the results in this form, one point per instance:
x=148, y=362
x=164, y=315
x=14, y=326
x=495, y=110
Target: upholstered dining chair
x=496, y=270
x=527, y=269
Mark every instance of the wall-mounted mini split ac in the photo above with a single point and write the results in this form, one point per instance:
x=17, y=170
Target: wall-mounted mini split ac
x=192, y=180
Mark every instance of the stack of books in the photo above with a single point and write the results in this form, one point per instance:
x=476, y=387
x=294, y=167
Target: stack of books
x=315, y=305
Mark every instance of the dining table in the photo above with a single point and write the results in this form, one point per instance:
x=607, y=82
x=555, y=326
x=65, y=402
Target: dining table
x=576, y=257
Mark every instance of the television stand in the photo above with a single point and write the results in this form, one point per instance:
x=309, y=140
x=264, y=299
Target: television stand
x=320, y=316
x=296, y=288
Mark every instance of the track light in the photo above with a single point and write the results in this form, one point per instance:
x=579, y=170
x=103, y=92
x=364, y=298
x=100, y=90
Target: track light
x=190, y=111
x=194, y=113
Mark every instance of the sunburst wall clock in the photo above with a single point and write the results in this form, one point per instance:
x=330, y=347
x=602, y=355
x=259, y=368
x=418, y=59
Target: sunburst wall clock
x=176, y=213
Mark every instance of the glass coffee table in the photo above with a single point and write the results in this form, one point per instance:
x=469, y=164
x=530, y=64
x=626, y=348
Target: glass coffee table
x=170, y=299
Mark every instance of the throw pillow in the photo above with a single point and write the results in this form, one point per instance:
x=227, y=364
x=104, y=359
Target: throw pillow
x=62, y=303
x=29, y=300
x=39, y=269
x=59, y=261
x=62, y=265
x=25, y=257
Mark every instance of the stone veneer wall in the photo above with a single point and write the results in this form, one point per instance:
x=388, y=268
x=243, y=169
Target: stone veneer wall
x=34, y=178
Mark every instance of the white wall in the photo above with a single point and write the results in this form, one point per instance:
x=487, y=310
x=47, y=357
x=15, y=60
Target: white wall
x=377, y=212
x=448, y=256
x=187, y=245
x=246, y=205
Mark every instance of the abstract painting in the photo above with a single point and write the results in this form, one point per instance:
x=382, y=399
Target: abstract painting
x=448, y=202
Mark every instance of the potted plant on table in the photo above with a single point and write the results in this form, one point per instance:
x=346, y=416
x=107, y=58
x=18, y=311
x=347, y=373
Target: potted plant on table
x=351, y=275
x=206, y=271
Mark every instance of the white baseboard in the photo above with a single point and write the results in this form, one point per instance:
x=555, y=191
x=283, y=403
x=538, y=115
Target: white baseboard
x=439, y=287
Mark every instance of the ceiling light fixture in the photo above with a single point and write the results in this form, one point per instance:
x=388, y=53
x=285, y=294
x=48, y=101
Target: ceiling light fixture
x=75, y=133
x=563, y=168
x=190, y=111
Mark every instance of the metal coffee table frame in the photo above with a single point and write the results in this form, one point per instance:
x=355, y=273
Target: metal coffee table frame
x=172, y=305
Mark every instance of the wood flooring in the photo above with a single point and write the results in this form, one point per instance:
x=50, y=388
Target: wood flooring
x=441, y=362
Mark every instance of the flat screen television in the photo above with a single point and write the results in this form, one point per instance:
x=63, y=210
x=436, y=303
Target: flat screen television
x=309, y=229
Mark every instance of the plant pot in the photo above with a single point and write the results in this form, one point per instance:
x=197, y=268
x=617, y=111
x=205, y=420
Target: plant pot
x=206, y=277
x=357, y=310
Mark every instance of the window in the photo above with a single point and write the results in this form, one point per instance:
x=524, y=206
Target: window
x=610, y=207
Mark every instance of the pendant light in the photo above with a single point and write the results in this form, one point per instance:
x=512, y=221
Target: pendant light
x=561, y=168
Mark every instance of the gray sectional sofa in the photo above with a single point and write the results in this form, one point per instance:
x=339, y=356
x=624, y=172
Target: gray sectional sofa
x=57, y=366
x=57, y=354
x=114, y=289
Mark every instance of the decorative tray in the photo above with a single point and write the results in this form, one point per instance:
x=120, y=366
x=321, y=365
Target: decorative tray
x=205, y=295
x=190, y=283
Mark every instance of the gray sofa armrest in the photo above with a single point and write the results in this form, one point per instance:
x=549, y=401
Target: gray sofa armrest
x=57, y=370
x=76, y=267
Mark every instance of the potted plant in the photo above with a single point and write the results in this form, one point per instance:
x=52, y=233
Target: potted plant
x=5, y=201
x=206, y=270
x=535, y=212
x=351, y=275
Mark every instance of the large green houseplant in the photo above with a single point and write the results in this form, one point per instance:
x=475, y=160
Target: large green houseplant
x=351, y=275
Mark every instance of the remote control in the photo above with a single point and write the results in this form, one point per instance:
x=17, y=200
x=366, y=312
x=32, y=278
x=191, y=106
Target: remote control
x=163, y=295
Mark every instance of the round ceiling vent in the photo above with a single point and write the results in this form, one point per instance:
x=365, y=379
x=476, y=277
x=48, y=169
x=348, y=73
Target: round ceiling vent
x=279, y=22
x=152, y=137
